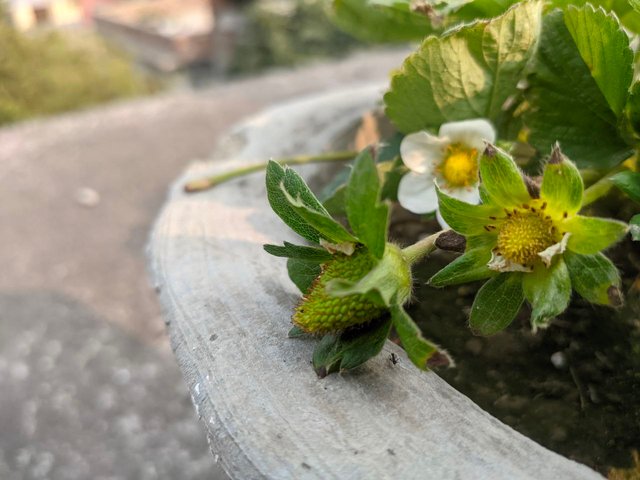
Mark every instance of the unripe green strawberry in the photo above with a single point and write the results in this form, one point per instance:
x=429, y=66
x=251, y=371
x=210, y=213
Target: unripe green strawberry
x=319, y=312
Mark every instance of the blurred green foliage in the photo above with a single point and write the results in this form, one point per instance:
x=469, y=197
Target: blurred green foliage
x=50, y=72
x=288, y=32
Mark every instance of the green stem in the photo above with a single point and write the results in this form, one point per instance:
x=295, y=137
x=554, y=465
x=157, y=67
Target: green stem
x=601, y=187
x=209, y=182
x=421, y=249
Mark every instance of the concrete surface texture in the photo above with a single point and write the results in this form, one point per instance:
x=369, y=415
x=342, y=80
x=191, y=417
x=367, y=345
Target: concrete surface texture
x=88, y=385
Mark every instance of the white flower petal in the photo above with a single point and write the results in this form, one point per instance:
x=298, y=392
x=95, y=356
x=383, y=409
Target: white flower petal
x=555, y=249
x=501, y=264
x=421, y=152
x=417, y=193
x=466, y=194
x=472, y=133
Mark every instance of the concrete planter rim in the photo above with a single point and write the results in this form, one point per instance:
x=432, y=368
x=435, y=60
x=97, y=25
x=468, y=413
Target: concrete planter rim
x=227, y=306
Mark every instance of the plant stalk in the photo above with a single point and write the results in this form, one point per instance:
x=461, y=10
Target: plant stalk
x=601, y=187
x=210, y=182
x=419, y=250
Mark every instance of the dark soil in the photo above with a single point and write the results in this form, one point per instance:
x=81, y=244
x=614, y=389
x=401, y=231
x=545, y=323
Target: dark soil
x=574, y=387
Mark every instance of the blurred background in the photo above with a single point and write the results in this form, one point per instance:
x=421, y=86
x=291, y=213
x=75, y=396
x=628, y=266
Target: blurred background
x=59, y=55
x=102, y=104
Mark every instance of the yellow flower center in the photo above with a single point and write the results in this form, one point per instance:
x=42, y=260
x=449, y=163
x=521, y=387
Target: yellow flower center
x=460, y=166
x=524, y=234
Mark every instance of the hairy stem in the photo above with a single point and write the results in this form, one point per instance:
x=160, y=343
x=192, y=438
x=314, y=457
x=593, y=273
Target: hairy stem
x=601, y=187
x=209, y=182
x=417, y=251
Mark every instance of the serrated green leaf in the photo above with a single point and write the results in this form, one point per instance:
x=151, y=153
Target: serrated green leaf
x=469, y=267
x=594, y=277
x=350, y=349
x=419, y=350
x=290, y=250
x=319, y=219
x=634, y=228
x=567, y=104
x=303, y=272
x=465, y=218
x=379, y=23
x=629, y=183
x=589, y=235
x=279, y=176
x=502, y=179
x=604, y=47
x=562, y=185
x=468, y=73
x=368, y=218
x=497, y=303
x=632, y=112
x=483, y=9
x=548, y=290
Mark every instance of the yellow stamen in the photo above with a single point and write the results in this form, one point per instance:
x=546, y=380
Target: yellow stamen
x=524, y=234
x=460, y=166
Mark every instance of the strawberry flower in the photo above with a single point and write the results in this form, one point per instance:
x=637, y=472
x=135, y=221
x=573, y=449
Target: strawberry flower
x=449, y=159
x=531, y=244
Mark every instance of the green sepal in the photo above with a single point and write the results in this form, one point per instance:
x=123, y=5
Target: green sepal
x=485, y=198
x=351, y=348
x=595, y=278
x=562, y=185
x=333, y=194
x=297, y=332
x=335, y=203
x=589, y=235
x=280, y=179
x=389, y=279
x=469, y=267
x=303, y=272
x=634, y=227
x=319, y=219
x=548, y=290
x=368, y=217
x=497, y=303
x=463, y=217
x=502, y=179
x=290, y=250
x=629, y=183
x=422, y=352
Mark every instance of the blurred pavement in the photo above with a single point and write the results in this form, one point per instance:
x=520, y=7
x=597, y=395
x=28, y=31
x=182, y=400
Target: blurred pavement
x=88, y=385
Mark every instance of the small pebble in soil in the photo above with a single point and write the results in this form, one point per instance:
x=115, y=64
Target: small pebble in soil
x=559, y=360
